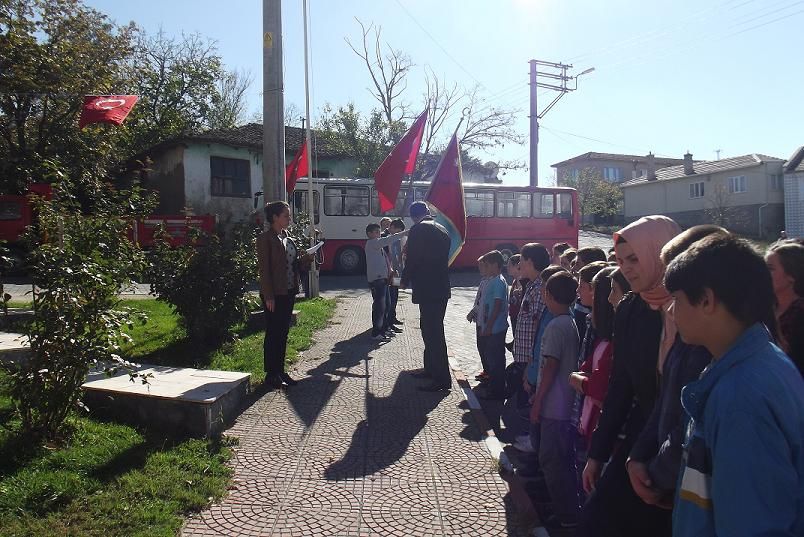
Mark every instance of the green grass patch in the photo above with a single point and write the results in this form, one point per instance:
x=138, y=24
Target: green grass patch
x=161, y=340
x=106, y=479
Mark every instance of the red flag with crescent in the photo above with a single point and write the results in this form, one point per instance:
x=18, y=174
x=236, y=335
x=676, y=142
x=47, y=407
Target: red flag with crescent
x=106, y=109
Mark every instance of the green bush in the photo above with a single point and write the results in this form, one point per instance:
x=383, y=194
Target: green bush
x=206, y=283
x=79, y=265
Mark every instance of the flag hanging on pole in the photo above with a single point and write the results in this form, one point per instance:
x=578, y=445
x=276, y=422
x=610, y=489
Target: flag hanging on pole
x=446, y=197
x=106, y=109
x=298, y=167
x=400, y=161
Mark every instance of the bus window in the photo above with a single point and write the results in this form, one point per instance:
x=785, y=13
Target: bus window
x=398, y=208
x=513, y=204
x=565, y=205
x=346, y=200
x=300, y=204
x=543, y=205
x=479, y=203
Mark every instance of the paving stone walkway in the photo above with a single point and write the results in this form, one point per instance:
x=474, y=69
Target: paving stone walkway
x=356, y=450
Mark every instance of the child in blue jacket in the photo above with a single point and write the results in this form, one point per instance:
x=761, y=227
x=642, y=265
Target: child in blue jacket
x=742, y=470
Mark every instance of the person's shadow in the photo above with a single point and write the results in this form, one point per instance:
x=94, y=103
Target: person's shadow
x=391, y=424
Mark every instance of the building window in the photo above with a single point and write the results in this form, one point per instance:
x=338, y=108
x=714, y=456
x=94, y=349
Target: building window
x=777, y=182
x=479, y=203
x=543, y=205
x=230, y=177
x=513, y=204
x=612, y=174
x=346, y=200
x=574, y=173
x=737, y=184
x=696, y=190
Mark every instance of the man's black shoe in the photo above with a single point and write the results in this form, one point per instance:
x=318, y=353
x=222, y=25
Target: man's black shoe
x=395, y=329
x=397, y=321
x=273, y=382
x=287, y=379
x=435, y=388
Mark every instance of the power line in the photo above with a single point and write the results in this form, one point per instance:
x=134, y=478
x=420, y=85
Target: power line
x=434, y=40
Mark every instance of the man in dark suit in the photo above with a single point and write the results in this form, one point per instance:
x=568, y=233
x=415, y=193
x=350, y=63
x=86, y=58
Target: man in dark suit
x=427, y=272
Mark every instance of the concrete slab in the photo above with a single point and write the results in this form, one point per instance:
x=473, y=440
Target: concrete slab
x=179, y=399
x=14, y=348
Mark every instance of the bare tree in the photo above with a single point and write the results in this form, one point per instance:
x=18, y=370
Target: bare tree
x=487, y=126
x=229, y=105
x=439, y=98
x=388, y=69
x=719, y=207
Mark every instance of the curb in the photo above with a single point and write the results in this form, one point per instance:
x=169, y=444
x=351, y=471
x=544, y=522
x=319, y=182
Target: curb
x=495, y=447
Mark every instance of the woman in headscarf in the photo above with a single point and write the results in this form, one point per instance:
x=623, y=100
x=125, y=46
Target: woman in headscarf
x=643, y=335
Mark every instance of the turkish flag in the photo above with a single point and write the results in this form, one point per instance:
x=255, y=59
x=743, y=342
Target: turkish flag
x=106, y=109
x=400, y=162
x=298, y=167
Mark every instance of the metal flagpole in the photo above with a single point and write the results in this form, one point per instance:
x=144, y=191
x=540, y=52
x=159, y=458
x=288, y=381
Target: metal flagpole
x=313, y=274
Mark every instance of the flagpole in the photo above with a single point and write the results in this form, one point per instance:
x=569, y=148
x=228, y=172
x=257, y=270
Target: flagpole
x=313, y=274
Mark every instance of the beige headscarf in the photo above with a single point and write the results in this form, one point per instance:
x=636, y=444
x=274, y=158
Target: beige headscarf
x=647, y=236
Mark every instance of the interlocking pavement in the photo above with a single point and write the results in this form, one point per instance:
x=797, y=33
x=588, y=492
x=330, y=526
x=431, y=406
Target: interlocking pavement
x=356, y=450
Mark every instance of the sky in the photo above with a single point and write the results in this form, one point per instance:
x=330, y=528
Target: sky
x=670, y=76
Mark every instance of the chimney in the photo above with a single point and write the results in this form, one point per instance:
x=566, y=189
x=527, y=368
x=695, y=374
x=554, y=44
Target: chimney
x=651, y=167
x=688, y=164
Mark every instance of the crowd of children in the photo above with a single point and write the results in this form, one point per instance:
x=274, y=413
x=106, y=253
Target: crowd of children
x=651, y=383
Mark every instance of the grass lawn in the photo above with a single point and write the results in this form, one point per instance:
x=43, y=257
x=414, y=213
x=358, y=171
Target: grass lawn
x=107, y=479
x=162, y=341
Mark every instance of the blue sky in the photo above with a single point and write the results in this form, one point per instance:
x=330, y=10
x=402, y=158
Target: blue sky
x=670, y=76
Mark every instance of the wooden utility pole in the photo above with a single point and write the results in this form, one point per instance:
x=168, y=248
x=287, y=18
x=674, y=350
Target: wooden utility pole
x=273, y=103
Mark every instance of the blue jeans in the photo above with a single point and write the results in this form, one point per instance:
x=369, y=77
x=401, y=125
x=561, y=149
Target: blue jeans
x=381, y=299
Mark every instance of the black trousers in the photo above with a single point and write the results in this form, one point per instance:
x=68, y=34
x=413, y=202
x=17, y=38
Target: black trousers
x=394, y=291
x=431, y=319
x=277, y=326
x=614, y=510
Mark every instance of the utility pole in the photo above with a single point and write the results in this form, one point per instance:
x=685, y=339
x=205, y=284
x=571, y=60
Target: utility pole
x=554, y=72
x=273, y=103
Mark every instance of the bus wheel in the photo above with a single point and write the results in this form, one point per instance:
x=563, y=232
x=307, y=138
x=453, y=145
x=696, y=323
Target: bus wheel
x=349, y=260
x=507, y=250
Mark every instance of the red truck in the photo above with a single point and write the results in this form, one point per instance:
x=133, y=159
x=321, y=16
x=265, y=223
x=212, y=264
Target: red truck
x=17, y=213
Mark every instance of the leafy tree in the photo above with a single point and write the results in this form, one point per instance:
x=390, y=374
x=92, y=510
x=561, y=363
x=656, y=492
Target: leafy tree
x=52, y=52
x=596, y=196
x=367, y=138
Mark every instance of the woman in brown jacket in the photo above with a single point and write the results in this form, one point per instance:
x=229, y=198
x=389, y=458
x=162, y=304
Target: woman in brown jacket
x=278, y=259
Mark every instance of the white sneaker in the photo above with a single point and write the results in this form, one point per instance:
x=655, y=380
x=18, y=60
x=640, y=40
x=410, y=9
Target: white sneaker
x=522, y=443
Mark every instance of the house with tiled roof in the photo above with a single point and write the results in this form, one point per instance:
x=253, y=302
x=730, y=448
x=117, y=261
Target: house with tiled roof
x=613, y=167
x=744, y=194
x=794, y=194
x=220, y=171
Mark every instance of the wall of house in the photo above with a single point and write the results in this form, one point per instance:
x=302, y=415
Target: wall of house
x=672, y=198
x=166, y=176
x=627, y=167
x=198, y=183
x=794, y=204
